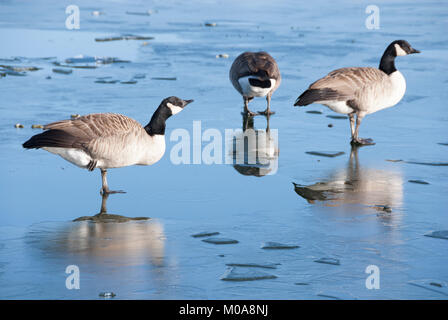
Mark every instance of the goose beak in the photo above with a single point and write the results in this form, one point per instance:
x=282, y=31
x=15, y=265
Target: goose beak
x=187, y=102
x=414, y=51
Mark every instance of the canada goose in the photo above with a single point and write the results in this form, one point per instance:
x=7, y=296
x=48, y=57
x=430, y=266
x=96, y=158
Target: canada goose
x=108, y=140
x=255, y=74
x=361, y=90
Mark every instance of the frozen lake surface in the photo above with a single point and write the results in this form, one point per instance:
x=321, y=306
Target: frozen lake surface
x=311, y=240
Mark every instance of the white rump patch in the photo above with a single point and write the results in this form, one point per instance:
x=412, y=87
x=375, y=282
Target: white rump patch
x=174, y=109
x=337, y=106
x=73, y=155
x=399, y=50
x=252, y=91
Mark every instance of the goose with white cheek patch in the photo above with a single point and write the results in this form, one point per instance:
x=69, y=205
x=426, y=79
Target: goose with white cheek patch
x=255, y=74
x=108, y=140
x=361, y=91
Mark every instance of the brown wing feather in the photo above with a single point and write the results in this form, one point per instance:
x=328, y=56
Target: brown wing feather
x=260, y=64
x=349, y=81
x=96, y=125
x=86, y=132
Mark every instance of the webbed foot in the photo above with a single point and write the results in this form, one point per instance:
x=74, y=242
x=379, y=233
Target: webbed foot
x=362, y=142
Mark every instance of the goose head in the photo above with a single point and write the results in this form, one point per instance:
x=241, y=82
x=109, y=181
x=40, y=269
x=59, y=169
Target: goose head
x=403, y=48
x=168, y=107
x=174, y=104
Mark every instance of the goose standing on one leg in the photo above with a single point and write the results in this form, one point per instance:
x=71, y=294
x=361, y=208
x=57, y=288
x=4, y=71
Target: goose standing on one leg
x=361, y=91
x=108, y=140
x=255, y=74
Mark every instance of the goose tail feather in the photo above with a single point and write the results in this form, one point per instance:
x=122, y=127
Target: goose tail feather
x=50, y=138
x=313, y=95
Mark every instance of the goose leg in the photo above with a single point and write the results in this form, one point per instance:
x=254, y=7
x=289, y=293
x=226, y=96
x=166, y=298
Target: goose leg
x=268, y=108
x=105, y=189
x=246, y=107
x=356, y=140
x=351, y=117
x=103, y=209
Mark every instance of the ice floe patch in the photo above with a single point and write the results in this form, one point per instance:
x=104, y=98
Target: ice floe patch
x=238, y=274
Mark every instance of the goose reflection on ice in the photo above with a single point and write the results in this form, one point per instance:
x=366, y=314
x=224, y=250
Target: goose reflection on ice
x=381, y=189
x=126, y=258
x=103, y=237
x=255, y=152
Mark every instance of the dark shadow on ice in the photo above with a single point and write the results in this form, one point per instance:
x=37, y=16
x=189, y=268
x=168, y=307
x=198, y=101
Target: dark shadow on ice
x=255, y=151
x=103, y=216
x=380, y=189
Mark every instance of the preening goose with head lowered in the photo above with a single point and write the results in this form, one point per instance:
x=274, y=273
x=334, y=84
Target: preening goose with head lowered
x=361, y=91
x=255, y=74
x=108, y=140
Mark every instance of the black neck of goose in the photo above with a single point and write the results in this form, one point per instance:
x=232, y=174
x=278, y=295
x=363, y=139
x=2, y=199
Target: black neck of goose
x=158, y=121
x=387, y=63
